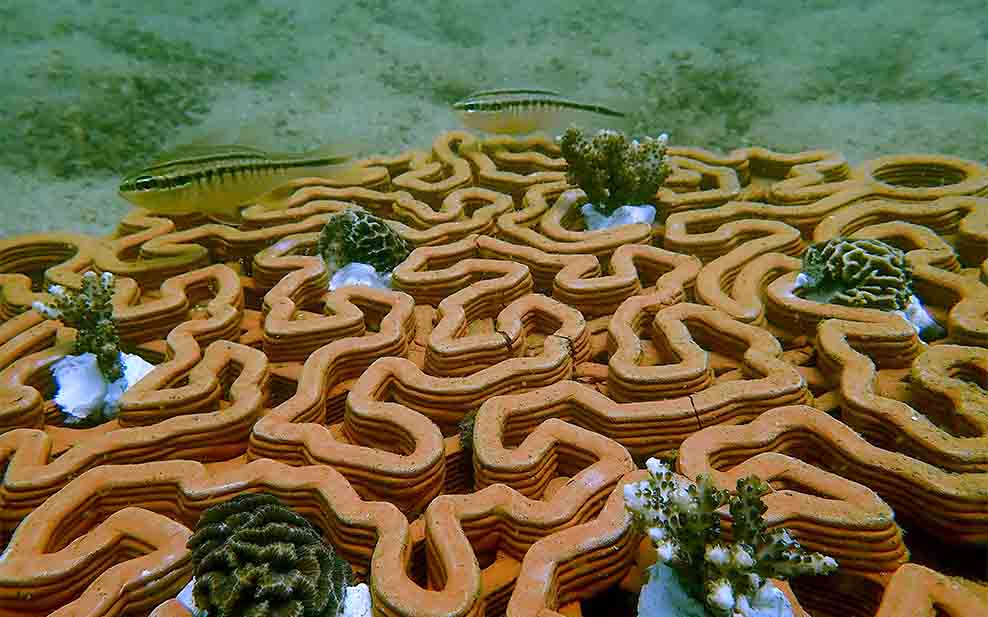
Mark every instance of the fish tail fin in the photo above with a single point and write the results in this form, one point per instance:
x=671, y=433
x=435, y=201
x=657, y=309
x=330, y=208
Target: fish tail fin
x=277, y=198
x=348, y=173
x=339, y=162
x=608, y=112
x=227, y=216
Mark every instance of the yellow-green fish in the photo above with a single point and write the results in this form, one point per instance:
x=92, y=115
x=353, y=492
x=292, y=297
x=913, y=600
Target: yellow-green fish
x=219, y=180
x=519, y=111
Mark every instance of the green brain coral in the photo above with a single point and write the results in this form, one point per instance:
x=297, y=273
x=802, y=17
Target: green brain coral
x=254, y=557
x=612, y=171
x=358, y=236
x=857, y=272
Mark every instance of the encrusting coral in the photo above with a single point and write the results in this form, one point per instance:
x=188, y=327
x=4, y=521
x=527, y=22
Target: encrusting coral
x=612, y=171
x=254, y=557
x=466, y=426
x=356, y=236
x=90, y=312
x=682, y=520
x=856, y=272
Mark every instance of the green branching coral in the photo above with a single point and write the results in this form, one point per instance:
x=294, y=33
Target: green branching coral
x=612, y=171
x=358, y=236
x=864, y=273
x=682, y=520
x=254, y=557
x=90, y=312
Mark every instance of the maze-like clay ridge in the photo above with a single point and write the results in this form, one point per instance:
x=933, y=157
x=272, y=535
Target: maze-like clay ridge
x=580, y=353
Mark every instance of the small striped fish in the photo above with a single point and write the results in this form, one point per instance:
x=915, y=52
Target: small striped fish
x=519, y=111
x=220, y=180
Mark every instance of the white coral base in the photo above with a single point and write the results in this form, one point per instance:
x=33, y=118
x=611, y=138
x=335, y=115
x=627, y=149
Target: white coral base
x=663, y=596
x=625, y=215
x=916, y=315
x=359, y=274
x=83, y=391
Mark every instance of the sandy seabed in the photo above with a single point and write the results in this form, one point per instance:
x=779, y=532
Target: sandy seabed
x=900, y=76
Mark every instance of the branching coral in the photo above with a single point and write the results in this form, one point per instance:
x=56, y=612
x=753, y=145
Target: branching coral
x=864, y=273
x=356, y=236
x=613, y=172
x=254, y=557
x=90, y=312
x=682, y=520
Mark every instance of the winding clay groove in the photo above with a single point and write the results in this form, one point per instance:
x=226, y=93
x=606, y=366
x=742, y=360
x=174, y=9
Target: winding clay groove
x=174, y=421
x=59, y=257
x=512, y=166
x=814, y=494
x=945, y=503
x=201, y=430
x=675, y=331
x=285, y=337
x=177, y=493
x=895, y=424
x=22, y=406
x=540, y=226
x=916, y=590
x=763, y=175
x=443, y=172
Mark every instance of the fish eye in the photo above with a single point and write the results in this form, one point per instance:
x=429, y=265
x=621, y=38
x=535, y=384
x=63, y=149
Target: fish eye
x=145, y=183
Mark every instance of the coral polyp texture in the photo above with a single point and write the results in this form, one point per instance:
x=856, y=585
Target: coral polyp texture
x=89, y=312
x=613, y=171
x=358, y=236
x=254, y=557
x=463, y=438
x=681, y=520
x=857, y=272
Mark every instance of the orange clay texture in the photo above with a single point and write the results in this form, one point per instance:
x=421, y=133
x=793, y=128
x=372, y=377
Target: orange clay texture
x=579, y=354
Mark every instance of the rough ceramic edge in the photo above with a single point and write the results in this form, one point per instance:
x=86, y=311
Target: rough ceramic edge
x=940, y=501
x=887, y=421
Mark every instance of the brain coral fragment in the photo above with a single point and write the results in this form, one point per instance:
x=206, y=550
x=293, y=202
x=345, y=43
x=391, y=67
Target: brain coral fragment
x=254, y=557
x=863, y=273
x=356, y=236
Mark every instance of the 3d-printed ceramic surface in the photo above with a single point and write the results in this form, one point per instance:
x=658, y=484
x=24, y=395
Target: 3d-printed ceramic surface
x=582, y=353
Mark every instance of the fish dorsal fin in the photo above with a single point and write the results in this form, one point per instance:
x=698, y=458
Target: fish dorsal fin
x=334, y=153
x=194, y=151
x=509, y=91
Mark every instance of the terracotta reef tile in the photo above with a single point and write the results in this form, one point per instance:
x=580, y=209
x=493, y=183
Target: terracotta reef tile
x=28, y=264
x=929, y=433
x=944, y=503
x=919, y=591
x=67, y=548
x=540, y=226
x=512, y=165
x=444, y=171
x=819, y=501
x=576, y=354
